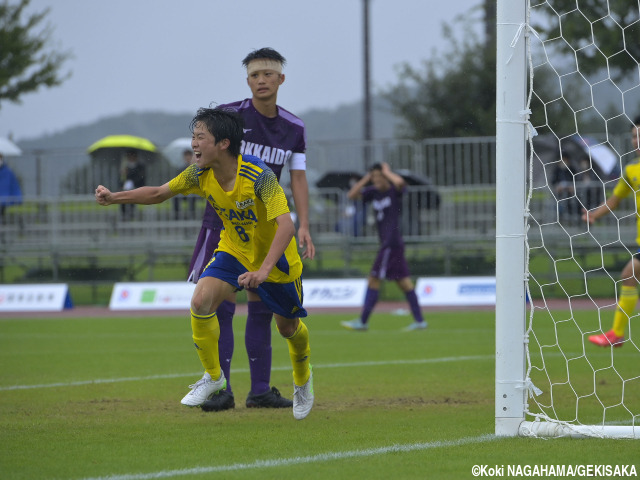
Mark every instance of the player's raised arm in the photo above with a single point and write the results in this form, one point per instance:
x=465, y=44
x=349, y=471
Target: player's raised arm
x=141, y=196
x=397, y=180
x=356, y=189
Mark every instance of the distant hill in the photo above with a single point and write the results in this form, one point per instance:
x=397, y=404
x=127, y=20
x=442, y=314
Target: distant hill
x=159, y=127
x=342, y=123
x=346, y=122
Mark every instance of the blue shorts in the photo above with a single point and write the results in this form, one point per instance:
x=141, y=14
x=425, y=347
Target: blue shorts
x=284, y=299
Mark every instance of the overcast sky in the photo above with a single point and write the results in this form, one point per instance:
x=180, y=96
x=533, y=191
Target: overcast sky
x=178, y=55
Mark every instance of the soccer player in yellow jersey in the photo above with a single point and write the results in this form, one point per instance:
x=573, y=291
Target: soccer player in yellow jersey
x=257, y=248
x=629, y=183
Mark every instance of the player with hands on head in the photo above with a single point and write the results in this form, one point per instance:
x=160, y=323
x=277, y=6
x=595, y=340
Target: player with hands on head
x=385, y=195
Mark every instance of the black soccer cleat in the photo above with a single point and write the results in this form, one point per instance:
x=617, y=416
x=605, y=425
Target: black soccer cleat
x=218, y=402
x=269, y=399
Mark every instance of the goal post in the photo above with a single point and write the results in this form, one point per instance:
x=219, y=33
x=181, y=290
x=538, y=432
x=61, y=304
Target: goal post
x=511, y=84
x=550, y=381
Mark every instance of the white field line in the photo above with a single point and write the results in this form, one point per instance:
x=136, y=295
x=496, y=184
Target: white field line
x=245, y=370
x=286, y=462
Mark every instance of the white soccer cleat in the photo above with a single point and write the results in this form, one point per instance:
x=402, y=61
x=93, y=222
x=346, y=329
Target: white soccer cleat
x=303, y=398
x=355, y=325
x=203, y=389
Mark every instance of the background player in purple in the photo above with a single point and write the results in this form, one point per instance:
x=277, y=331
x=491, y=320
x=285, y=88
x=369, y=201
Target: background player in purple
x=277, y=137
x=385, y=195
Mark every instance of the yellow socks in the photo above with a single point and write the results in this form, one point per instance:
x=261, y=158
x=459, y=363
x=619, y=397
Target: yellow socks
x=206, y=332
x=299, y=351
x=626, y=306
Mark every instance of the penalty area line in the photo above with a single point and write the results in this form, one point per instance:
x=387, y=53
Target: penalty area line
x=97, y=381
x=286, y=462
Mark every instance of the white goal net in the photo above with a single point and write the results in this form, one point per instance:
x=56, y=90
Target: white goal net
x=568, y=97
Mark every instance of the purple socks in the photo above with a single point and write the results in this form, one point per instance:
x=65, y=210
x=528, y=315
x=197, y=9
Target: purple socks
x=412, y=298
x=225, y=343
x=258, y=342
x=370, y=300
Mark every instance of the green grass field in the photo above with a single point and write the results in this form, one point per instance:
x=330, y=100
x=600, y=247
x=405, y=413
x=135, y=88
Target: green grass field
x=100, y=398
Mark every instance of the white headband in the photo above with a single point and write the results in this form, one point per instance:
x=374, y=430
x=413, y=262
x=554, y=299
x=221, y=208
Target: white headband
x=263, y=64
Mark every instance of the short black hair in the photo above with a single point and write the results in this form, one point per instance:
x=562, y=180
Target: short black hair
x=637, y=121
x=264, y=53
x=375, y=166
x=221, y=123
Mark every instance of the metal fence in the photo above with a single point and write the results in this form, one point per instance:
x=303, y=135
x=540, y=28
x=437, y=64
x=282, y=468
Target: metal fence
x=446, y=162
x=46, y=235
x=60, y=233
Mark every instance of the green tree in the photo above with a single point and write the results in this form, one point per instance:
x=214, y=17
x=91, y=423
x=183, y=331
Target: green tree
x=587, y=42
x=454, y=93
x=601, y=35
x=586, y=57
x=26, y=62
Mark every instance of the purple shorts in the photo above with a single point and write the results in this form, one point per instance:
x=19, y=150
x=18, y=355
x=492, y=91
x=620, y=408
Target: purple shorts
x=390, y=264
x=206, y=244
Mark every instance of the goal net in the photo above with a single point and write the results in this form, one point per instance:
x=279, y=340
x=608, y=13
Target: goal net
x=568, y=92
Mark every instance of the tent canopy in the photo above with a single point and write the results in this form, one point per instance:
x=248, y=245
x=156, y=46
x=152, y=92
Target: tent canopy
x=8, y=148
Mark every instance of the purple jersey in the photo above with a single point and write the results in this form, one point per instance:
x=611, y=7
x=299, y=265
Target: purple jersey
x=388, y=210
x=275, y=141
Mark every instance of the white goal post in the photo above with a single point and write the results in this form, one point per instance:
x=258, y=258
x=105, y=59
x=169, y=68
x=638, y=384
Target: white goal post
x=511, y=85
x=517, y=411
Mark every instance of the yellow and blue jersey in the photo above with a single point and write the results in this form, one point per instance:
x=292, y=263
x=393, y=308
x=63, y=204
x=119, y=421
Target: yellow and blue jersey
x=630, y=183
x=248, y=213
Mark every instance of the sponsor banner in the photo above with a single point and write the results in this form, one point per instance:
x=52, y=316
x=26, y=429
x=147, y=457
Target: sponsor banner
x=456, y=291
x=35, y=298
x=344, y=292
x=151, y=296
x=170, y=295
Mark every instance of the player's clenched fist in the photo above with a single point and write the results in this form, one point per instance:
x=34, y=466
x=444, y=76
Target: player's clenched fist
x=103, y=195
